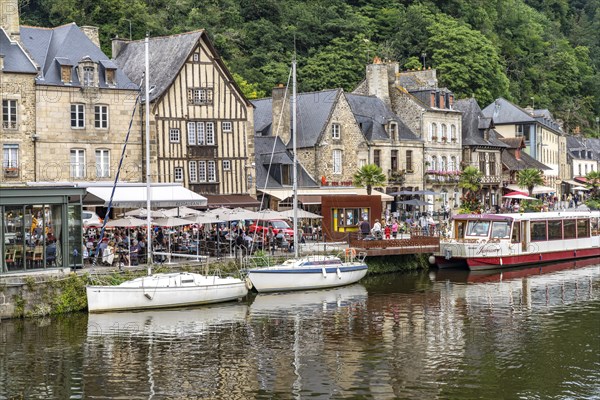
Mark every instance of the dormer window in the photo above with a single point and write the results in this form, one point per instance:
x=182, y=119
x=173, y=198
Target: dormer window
x=110, y=77
x=393, y=130
x=88, y=76
x=65, y=73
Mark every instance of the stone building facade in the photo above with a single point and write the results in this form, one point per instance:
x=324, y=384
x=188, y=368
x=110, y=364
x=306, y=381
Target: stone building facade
x=18, y=110
x=426, y=109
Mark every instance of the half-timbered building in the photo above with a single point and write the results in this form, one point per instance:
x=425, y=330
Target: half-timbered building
x=201, y=123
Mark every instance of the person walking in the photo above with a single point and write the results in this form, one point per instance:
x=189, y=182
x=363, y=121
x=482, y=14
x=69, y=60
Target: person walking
x=365, y=227
x=395, y=228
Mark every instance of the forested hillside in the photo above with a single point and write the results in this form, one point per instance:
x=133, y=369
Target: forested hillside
x=545, y=52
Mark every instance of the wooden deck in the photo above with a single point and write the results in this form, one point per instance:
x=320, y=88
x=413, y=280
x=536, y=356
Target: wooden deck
x=414, y=245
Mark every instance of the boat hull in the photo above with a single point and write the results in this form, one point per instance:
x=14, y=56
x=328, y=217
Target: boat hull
x=277, y=279
x=497, y=262
x=119, y=298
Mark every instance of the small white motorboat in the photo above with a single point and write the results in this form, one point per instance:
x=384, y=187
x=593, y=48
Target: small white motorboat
x=165, y=290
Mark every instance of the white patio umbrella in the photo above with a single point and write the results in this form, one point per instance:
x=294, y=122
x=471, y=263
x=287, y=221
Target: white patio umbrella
x=181, y=212
x=141, y=212
x=171, y=222
x=301, y=214
x=269, y=214
x=518, y=196
x=203, y=218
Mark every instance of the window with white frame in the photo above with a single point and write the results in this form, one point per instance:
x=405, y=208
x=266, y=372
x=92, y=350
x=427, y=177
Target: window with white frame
x=102, y=163
x=191, y=131
x=10, y=155
x=444, y=164
x=210, y=133
x=433, y=132
x=393, y=131
x=174, y=135
x=362, y=162
x=444, y=133
x=453, y=166
x=77, y=163
x=101, y=116
x=337, y=161
x=212, y=171
x=434, y=163
x=88, y=76
x=453, y=133
x=9, y=114
x=178, y=174
x=193, y=170
x=226, y=165
x=77, y=116
x=336, y=131
x=200, y=96
x=196, y=57
x=202, y=171
x=201, y=134
x=227, y=126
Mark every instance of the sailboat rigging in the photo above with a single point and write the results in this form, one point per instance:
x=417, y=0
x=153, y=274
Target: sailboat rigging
x=308, y=272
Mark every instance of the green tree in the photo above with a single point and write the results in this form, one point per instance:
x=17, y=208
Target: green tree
x=593, y=183
x=467, y=62
x=368, y=176
x=529, y=178
x=470, y=181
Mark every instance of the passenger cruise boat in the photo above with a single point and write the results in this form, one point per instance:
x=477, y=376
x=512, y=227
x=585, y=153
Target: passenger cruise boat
x=491, y=241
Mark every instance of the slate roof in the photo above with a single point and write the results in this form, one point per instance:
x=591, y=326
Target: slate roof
x=512, y=163
x=505, y=112
x=15, y=58
x=314, y=110
x=474, y=123
x=583, y=148
x=281, y=155
x=373, y=115
x=167, y=55
x=66, y=45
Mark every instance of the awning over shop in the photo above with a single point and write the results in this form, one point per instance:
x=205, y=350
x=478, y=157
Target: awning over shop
x=284, y=193
x=306, y=199
x=536, y=189
x=231, y=200
x=134, y=195
x=572, y=182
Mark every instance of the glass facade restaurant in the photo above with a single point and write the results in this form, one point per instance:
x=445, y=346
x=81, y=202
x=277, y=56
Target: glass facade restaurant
x=40, y=228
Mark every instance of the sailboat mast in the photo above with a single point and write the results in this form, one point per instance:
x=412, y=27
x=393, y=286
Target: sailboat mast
x=148, y=182
x=295, y=173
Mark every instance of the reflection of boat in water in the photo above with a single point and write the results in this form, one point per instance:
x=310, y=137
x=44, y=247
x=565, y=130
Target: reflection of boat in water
x=295, y=301
x=165, y=290
x=461, y=275
x=180, y=322
x=543, y=286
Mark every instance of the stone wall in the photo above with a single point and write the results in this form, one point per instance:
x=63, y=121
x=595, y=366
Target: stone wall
x=56, y=137
x=20, y=87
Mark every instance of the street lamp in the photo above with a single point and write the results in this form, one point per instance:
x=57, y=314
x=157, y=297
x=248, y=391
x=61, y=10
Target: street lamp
x=598, y=126
x=423, y=55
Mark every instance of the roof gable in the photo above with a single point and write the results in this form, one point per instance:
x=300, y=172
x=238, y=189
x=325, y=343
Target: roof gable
x=505, y=112
x=65, y=45
x=474, y=124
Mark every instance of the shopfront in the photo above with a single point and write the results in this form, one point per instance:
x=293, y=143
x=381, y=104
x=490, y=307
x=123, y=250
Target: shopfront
x=40, y=228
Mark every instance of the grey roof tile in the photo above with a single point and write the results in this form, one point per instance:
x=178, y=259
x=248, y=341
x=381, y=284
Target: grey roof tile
x=65, y=45
x=373, y=115
x=474, y=125
x=505, y=112
x=15, y=57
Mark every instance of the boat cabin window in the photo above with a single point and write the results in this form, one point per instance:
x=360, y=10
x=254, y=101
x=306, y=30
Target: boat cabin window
x=516, y=232
x=478, y=228
x=583, y=228
x=538, y=231
x=500, y=230
x=595, y=226
x=555, y=230
x=460, y=229
x=569, y=228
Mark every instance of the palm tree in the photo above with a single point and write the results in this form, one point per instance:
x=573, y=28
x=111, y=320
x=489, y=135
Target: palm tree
x=593, y=182
x=370, y=175
x=470, y=181
x=529, y=178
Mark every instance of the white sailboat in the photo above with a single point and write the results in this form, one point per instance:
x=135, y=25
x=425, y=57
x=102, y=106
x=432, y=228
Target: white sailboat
x=165, y=289
x=308, y=272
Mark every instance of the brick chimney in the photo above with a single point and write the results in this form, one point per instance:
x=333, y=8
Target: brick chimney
x=281, y=112
x=9, y=18
x=92, y=33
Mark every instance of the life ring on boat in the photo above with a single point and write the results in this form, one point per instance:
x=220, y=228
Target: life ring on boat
x=249, y=284
x=351, y=252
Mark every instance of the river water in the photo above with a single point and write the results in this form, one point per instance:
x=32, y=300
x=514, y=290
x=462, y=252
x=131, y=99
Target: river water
x=526, y=334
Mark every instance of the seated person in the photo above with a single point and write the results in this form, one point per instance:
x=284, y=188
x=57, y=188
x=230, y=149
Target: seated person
x=51, y=252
